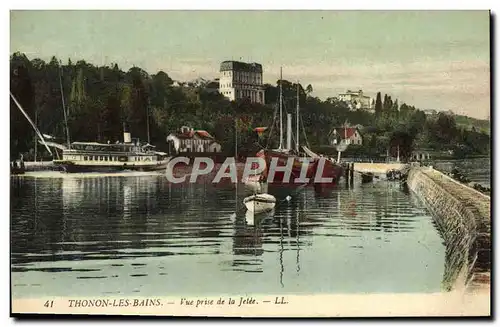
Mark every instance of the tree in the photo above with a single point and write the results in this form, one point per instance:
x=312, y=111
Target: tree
x=378, y=104
x=445, y=128
x=271, y=94
x=401, y=141
x=101, y=99
x=395, y=106
x=403, y=111
x=110, y=119
x=417, y=122
x=21, y=87
x=387, y=103
x=309, y=89
x=139, y=102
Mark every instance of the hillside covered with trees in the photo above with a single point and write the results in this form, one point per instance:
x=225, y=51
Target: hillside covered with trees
x=98, y=100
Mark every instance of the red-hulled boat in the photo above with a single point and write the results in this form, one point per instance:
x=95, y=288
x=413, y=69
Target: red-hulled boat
x=320, y=170
x=283, y=158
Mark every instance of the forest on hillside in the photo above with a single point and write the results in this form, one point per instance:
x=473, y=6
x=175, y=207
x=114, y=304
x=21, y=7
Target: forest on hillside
x=98, y=100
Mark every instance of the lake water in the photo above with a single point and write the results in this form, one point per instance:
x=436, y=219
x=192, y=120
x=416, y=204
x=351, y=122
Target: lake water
x=136, y=234
x=477, y=170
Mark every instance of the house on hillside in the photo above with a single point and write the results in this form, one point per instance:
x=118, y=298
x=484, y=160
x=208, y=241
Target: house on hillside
x=347, y=135
x=430, y=112
x=357, y=100
x=189, y=140
x=421, y=154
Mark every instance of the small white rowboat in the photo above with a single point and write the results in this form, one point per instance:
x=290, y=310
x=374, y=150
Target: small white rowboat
x=260, y=202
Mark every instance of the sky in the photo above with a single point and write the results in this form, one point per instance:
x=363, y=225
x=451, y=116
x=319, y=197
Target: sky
x=429, y=59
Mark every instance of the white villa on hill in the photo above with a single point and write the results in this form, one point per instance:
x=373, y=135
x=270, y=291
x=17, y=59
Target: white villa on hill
x=357, y=100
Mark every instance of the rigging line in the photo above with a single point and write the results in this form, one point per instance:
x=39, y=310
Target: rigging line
x=304, y=132
x=64, y=105
x=281, y=108
x=31, y=122
x=272, y=127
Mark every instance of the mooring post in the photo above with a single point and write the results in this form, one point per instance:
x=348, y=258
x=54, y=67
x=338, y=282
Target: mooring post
x=351, y=177
x=346, y=173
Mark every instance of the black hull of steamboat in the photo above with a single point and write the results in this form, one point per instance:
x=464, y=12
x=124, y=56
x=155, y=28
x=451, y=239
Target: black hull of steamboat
x=69, y=167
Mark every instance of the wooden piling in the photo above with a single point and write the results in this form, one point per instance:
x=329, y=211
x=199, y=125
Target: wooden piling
x=351, y=173
x=346, y=173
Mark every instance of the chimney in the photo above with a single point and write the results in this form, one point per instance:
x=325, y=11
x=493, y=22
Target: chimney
x=126, y=135
x=289, y=132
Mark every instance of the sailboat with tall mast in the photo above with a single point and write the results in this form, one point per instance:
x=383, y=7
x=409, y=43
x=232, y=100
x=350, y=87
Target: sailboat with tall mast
x=282, y=154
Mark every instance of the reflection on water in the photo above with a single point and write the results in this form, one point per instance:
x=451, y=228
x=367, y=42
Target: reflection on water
x=141, y=235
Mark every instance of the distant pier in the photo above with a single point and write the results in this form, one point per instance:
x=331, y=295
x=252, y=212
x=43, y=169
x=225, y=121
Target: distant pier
x=383, y=170
x=39, y=165
x=377, y=168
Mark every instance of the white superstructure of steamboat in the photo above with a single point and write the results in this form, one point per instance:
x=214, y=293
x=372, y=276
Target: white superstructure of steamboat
x=102, y=157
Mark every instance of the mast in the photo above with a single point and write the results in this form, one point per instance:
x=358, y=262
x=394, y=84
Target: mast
x=289, y=131
x=147, y=119
x=64, y=105
x=281, y=109
x=36, y=122
x=236, y=140
x=297, y=120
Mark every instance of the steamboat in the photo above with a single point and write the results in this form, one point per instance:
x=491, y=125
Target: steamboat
x=102, y=157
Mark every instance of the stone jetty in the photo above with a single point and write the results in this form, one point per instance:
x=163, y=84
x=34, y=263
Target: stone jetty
x=463, y=216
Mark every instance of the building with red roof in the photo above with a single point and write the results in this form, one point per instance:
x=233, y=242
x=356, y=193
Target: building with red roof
x=347, y=135
x=188, y=139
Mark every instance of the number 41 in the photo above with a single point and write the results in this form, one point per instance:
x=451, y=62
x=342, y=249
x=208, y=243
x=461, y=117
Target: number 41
x=49, y=304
